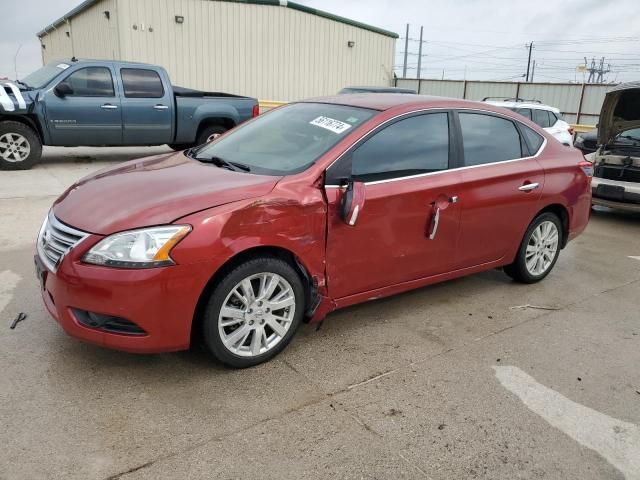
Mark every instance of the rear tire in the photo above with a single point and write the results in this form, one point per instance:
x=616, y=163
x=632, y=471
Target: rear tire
x=20, y=146
x=210, y=133
x=254, y=326
x=538, y=251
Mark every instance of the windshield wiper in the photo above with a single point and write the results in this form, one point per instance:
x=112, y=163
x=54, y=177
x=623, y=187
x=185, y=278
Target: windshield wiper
x=218, y=161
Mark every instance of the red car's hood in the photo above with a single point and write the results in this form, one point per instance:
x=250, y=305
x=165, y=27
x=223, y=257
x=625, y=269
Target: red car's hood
x=153, y=191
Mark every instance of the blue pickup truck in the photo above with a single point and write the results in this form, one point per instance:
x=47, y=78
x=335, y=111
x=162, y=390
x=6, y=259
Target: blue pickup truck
x=108, y=103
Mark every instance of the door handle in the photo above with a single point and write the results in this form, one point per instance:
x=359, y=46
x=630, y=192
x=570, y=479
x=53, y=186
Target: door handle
x=108, y=106
x=161, y=107
x=435, y=220
x=527, y=187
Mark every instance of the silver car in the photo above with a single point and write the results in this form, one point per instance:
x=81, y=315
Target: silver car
x=616, y=162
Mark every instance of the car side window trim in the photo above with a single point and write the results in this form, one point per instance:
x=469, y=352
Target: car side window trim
x=455, y=141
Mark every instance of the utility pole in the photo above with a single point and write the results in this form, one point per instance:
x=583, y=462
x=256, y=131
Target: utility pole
x=406, y=52
x=529, y=61
x=533, y=70
x=15, y=62
x=419, y=54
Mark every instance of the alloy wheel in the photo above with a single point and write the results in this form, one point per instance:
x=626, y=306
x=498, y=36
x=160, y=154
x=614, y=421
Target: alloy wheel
x=256, y=314
x=542, y=248
x=14, y=147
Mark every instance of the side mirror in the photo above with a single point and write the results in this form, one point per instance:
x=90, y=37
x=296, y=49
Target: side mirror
x=63, y=89
x=352, y=202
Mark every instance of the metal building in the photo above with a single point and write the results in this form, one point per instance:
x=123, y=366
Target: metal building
x=270, y=49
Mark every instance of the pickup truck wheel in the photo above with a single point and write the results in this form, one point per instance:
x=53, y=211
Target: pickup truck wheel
x=253, y=312
x=210, y=133
x=538, y=251
x=20, y=147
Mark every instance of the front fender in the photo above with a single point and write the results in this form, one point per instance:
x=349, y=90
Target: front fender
x=221, y=233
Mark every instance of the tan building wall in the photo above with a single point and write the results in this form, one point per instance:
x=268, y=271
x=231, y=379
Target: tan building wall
x=91, y=35
x=266, y=51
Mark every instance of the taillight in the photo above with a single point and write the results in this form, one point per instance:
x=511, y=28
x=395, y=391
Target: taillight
x=256, y=110
x=587, y=168
x=571, y=130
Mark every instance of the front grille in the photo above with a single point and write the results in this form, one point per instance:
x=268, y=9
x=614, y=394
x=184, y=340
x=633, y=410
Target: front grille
x=55, y=240
x=618, y=172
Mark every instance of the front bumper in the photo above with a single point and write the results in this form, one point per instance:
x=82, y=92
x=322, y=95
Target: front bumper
x=161, y=301
x=616, y=194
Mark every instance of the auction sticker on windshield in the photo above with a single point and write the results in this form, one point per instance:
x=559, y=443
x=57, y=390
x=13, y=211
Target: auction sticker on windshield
x=336, y=126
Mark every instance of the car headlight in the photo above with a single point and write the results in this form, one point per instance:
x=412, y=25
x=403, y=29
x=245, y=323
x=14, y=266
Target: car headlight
x=143, y=248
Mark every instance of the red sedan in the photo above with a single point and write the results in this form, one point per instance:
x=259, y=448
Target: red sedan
x=311, y=207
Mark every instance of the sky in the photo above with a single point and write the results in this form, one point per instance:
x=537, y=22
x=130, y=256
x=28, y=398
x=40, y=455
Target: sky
x=472, y=39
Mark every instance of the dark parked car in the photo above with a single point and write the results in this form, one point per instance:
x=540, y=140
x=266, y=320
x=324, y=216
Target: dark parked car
x=376, y=90
x=311, y=207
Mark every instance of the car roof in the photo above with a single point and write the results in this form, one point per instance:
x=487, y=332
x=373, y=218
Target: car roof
x=508, y=104
x=387, y=101
x=74, y=61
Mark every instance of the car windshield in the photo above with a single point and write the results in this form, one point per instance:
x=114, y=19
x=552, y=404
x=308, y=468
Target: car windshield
x=44, y=75
x=629, y=137
x=287, y=140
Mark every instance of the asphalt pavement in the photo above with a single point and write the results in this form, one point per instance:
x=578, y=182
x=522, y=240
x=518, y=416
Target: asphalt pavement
x=478, y=377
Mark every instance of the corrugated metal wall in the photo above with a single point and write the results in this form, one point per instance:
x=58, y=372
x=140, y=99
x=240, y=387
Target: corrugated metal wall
x=265, y=51
x=91, y=35
x=564, y=96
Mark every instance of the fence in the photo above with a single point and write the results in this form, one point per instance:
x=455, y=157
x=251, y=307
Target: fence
x=579, y=103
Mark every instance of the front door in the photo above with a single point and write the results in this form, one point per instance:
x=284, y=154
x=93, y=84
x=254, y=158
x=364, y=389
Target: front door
x=90, y=114
x=405, y=168
x=500, y=186
x=147, y=108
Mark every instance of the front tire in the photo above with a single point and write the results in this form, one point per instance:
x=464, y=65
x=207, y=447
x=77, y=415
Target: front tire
x=538, y=251
x=20, y=146
x=254, y=312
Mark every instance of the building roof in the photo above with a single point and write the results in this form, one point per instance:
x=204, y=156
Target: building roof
x=276, y=3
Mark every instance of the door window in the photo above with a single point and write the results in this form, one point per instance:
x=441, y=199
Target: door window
x=141, y=83
x=411, y=146
x=91, y=82
x=488, y=139
x=533, y=138
x=541, y=117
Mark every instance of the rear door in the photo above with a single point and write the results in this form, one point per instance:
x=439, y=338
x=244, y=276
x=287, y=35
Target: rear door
x=405, y=167
x=500, y=186
x=147, y=107
x=91, y=114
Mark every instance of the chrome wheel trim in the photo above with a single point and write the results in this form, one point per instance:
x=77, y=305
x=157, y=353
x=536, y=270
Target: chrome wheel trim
x=542, y=248
x=14, y=147
x=256, y=314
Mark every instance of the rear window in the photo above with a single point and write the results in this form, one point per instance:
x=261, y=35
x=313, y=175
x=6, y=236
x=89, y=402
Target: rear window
x=141, y=83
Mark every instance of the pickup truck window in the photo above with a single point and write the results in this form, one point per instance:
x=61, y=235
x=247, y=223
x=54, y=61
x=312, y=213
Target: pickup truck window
x=287, y=140
x=141, y=83
x=91, y=82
